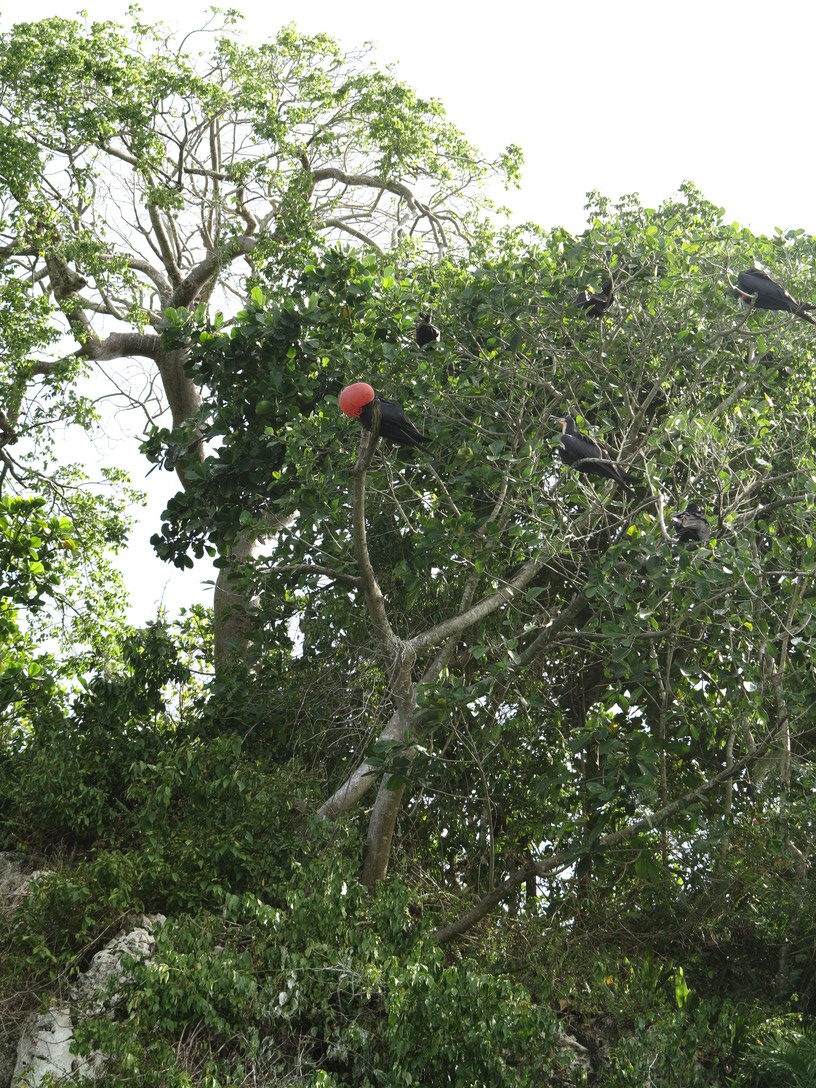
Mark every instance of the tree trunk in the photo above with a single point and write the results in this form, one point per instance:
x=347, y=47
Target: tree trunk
x=233, y=607
x=183, y=400
x=381, y=833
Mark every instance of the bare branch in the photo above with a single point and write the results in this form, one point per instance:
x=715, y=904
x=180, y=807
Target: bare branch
x=373, y=594
x=166, y=252
x=456, y=624
x=188, y=289
x=339, y=224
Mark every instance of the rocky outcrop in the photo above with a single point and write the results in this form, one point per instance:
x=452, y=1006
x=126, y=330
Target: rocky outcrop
x=98, y=990
x=577, y=1055
x=44, y=1048
x=16, y=879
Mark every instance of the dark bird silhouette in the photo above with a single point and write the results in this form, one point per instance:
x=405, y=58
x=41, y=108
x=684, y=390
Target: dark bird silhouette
x=425, y=333
x=690, y=525
x=597, y=304
x=357, y=401
x=756, y=288
x=583, y=453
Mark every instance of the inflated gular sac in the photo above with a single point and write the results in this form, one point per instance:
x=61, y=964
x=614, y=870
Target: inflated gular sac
x=358, y=400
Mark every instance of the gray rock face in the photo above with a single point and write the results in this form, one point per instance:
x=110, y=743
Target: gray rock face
x=14, y=880
x=577, y=1054
x=97, y=990
x=44, y=1048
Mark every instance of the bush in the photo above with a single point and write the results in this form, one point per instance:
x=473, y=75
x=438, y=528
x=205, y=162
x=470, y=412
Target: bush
x=332, y=984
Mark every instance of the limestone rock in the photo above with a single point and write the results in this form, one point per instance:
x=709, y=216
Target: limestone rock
x=577, y=1055
x=45, y=1045
x=96, y=991
x=44, y=1048
x=14, y=880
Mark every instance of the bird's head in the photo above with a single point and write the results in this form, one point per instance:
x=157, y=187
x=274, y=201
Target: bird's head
x=567, y=423
x=693, y=508
x=354, y=398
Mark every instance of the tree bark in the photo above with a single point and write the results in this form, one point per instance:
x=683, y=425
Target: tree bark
x=234, y=609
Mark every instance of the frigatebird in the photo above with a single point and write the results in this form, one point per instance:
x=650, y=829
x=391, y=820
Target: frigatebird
x=357, y=401
x=756, y=288
x=690, y=525
x=425, y=333
x=597, y=304
x=583, y=453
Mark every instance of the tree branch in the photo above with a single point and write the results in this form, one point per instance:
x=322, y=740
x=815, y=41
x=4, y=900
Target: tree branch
x=362, y=778
x=369, y=181
x=187, y=290
x=455, y=624
x=338, y=224
x=314, y=568
x=566, y=857
x=371, y=588
x=170, y=265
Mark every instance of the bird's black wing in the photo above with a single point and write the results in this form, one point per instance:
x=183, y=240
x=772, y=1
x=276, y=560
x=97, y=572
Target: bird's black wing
x=691, y=526
x=596, y=304
x=579, y=447
x=396, y=427
x=770, y=294
x=426, y=333
x=576, y=447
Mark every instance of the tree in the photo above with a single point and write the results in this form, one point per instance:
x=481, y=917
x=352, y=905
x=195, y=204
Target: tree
x=505, y=685
x=139, y=175
x=550, y=674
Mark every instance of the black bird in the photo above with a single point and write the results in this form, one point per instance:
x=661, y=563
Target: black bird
x=690, y=525
x=756, y=288
x=583, y=453
x=597, y=304
x=357, y=401
x=425, y=333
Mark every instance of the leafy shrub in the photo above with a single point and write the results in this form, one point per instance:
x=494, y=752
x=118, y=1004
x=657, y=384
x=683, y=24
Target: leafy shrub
x=783, y=1056
x=333, y=984
x=65, y=784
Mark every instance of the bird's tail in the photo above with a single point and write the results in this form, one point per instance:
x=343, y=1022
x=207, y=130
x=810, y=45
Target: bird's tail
x=801, y=311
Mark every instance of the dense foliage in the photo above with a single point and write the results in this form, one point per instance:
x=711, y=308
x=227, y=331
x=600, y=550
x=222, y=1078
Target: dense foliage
x=496, y=757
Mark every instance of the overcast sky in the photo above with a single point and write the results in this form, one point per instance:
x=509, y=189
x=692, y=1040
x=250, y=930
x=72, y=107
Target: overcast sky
x=633, y=96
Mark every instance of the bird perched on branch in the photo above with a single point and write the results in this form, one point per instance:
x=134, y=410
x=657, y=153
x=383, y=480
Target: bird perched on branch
x=583, y=453
x=691, y=526
x=425, y=333
x=756, y=288
x=358, y=400
x=597, y=304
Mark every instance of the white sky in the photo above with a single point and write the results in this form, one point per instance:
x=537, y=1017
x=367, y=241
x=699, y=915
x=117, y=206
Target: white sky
x=630, y=96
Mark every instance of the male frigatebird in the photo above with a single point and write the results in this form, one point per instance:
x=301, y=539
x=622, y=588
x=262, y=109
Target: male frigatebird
x=690, y=525
x=425, y=333
x=358, y=401
x=756, y=288
x=597, y=304
x=583, y=453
